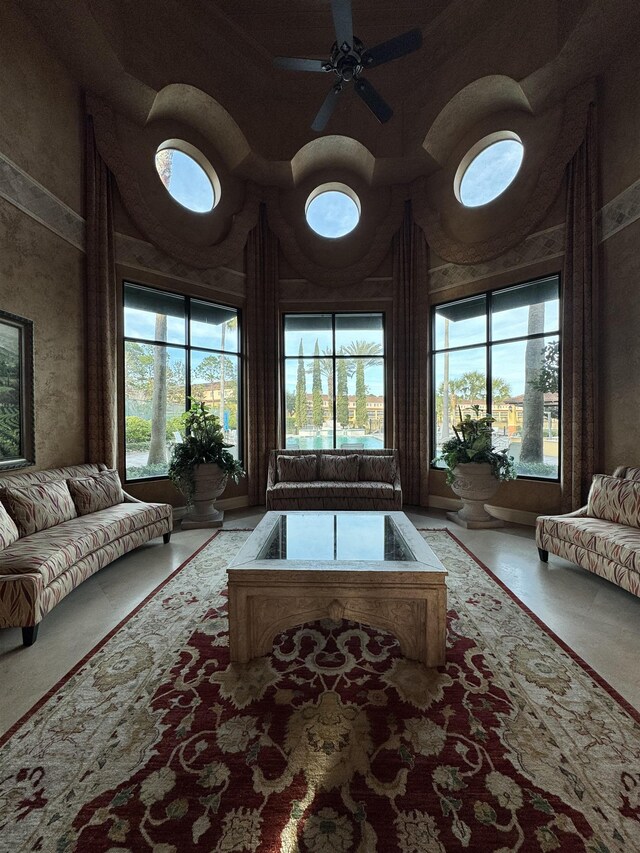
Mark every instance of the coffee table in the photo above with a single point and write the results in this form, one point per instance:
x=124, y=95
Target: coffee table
x=371, y=567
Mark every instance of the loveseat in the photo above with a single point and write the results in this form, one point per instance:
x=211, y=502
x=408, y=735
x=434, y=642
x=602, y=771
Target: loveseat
x=603, y=536
x=334, y=479
x=57, y=528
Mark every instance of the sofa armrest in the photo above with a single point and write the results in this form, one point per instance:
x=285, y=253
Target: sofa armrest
x=129, y=499
x=271, y=470
x=577, y=513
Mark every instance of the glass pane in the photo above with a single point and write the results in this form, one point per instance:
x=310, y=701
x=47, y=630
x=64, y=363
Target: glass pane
x=356, y=536
x=528, y=419
x=154, y=400
x=461, y=323
x=526, y=310
x=309, y=403
x=214, y=380
x=213, y=326
x=185, y=180
x=359, y=334
x=360, y=402
x=491, y=172
x=332, y=214
x=460, y=384
x=153, y=315
x=303, y=331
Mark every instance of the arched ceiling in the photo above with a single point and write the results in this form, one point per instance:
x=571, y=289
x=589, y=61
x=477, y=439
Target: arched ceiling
x=128, y=52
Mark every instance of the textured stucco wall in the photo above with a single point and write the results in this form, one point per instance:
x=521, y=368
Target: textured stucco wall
x=41, y=275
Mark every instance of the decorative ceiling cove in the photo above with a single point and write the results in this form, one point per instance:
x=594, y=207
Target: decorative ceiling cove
x=203, y=71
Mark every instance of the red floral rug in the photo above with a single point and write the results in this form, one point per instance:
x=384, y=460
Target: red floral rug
x=333, y=743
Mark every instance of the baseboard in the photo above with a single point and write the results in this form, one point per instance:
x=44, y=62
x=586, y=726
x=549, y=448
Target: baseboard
x=515, y=516
x=238, y=502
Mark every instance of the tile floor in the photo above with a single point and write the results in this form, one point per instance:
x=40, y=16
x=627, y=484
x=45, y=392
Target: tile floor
x=597, y=619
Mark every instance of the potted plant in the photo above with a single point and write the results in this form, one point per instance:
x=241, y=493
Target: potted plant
x=475, y=468
x=200, y=466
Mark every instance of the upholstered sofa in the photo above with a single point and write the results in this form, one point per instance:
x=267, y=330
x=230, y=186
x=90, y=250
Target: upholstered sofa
x=603, y=536
x=334, y=479
x=57, y=528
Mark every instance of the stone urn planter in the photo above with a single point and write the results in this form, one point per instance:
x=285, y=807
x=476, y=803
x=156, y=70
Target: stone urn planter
x=210, y=482
x=474, y=484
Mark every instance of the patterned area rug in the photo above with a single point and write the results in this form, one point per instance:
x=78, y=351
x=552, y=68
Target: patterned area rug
x=334, y=743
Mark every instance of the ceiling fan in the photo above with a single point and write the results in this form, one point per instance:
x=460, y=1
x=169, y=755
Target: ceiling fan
x=349, y=58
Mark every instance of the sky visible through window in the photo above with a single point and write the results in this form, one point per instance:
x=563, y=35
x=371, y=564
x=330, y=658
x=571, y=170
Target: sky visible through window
x=185, y=180
x=332, y=214
x=490, y=172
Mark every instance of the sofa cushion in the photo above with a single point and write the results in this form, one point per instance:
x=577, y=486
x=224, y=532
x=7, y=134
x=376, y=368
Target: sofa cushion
x=377, y=469
x=615, y=499
x=39, y=506
x=339, y=468
x=332, y=488
x=50, y=552
x=8, y=530
x=96, y=492
x=617, y=542
x=297, y=469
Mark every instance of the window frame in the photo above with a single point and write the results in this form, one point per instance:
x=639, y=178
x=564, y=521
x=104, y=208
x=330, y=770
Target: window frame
x=333, y=315
x=188, y=348
x=488, y=345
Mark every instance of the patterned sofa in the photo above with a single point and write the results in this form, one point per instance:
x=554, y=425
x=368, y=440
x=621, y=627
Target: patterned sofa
x=334, y=479
x=60, y=526
x=603, y=536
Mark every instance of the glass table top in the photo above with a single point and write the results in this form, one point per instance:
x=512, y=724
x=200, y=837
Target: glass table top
x=343, y=536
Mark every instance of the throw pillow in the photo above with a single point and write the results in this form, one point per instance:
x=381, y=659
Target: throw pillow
x=39, y=506
x=377, y=469
x=339, y=468
x=615, y=499
x=8, y=530
x=96, y=492
x=297, y=469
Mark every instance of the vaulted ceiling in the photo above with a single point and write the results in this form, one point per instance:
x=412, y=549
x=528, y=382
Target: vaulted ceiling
x=128, y=52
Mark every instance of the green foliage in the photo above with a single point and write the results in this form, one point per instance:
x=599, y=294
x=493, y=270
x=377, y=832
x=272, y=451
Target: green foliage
x=472, y=443
x=203, y=443
x=300, y=412
x=316, y=390
x=342, y=396
x=361, y=395
x=536, y=469
x=139, y=472
x=137, y=430
x=547, y=378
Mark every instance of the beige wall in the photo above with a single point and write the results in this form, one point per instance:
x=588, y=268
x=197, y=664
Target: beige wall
x=41, y=275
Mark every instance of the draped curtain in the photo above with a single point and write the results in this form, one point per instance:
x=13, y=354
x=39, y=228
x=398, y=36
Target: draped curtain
x=580, y=289
x=410, y=352
x=100, y=309
x=261, y=351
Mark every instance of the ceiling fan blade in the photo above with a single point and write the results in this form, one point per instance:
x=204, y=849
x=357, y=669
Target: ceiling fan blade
x=292, y=63
x=372, y=98
x=342, y=22
x=325, y=111
x=392, y=49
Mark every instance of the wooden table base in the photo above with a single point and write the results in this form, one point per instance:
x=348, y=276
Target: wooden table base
x=263, y=603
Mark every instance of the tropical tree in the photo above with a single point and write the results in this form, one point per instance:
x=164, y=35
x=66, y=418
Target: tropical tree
x=317, y=415
x=532, y=449
x=158, y=443
x=361, y=394
x=364, y=354
x=300, y=411
x=342, y=396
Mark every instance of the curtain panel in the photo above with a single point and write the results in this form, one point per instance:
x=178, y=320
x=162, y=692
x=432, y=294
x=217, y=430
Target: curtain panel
x=410, y=430
x=261, y=354
x=580, y=295
x=100, y=309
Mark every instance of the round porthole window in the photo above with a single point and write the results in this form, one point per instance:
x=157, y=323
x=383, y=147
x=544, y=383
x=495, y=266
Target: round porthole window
x=333, y=210
x=187, y=176
x=488, y=168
